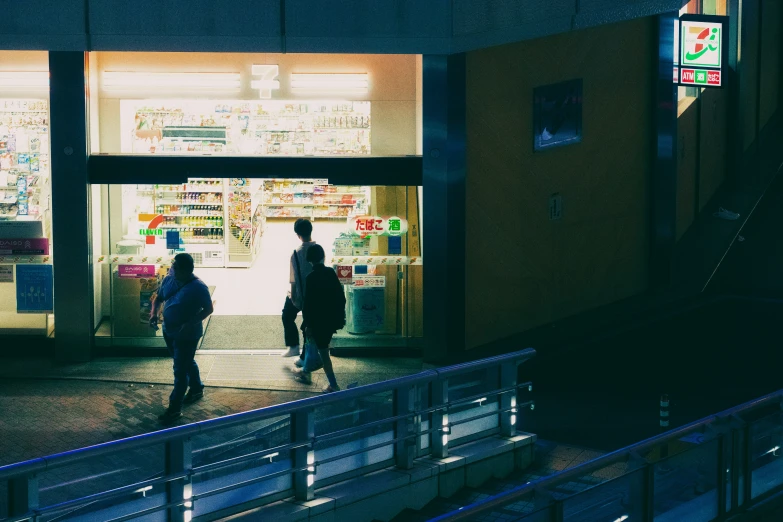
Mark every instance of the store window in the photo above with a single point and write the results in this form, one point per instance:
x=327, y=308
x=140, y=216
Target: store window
x=255, y=104
x=26, y=286
x=240, y=233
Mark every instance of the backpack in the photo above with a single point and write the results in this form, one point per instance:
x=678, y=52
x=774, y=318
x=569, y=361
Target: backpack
x=339, y=306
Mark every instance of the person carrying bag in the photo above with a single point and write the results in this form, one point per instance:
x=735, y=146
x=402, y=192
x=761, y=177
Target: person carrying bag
x=324, y=314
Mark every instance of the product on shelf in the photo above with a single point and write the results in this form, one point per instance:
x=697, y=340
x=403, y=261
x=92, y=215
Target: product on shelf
x=24, y=159
x=312, y=198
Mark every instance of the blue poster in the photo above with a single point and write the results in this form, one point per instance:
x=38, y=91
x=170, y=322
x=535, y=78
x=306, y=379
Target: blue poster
x=34, y=289
x=172, y=239
x=395, y=245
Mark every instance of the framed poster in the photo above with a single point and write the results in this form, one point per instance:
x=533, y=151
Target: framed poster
x=6, y=273
x=34, y=289
x=557, y=115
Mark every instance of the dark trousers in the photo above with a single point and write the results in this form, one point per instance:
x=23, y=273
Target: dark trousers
x=186, y=373
x=289, y=323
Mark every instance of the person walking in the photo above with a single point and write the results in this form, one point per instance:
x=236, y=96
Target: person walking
x=186, y=303
x=299, y=269
x=323, y=313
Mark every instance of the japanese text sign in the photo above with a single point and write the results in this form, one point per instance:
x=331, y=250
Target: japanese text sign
x=702, y=53
x=378, y=226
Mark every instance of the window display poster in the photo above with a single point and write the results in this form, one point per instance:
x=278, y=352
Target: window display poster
x=345, y=274
x=395, y=246
x=34, y=289
x=368, y=309
x=6, y=274
x=343, y=247
x=147, y=288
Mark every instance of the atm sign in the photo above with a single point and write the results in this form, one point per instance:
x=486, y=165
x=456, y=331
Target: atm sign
x=700, y=77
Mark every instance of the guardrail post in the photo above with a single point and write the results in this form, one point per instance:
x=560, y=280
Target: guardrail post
x=723, y=469
x=303, y=432
x=440, y=429
x=179, y=459
x=747, y=465
x=404, y=404
x=22, y=495
x=736, y=463
x=508, y=400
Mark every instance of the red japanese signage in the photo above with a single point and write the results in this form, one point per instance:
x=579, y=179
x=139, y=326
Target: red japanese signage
x=378, y=226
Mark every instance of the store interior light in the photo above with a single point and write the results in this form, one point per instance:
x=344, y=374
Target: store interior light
x=27, y=80
x=356, y=83
x=178, y=81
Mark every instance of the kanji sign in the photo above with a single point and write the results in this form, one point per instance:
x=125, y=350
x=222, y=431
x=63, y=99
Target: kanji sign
x=378, y=226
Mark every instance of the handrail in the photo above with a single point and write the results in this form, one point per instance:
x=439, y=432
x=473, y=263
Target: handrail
x=516, y=494
x=303, y=443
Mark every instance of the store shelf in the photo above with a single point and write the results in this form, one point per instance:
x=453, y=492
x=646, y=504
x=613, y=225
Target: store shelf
x=202, y=241
x=187, y=204
x=194, y=214
x=25, y=111
x=311, y=192
x=189, y=191
x=310, y=204
x=187, y=227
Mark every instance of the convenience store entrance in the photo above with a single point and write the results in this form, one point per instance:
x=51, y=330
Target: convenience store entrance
x=240, y=232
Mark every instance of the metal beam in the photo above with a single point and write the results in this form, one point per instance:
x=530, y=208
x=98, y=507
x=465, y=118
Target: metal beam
x=73, y=310
x=444, y=95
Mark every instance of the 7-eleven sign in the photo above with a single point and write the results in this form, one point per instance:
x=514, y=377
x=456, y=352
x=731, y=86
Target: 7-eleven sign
x=152, y=229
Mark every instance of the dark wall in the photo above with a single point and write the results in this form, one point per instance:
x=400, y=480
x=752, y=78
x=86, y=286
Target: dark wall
x=524, y=270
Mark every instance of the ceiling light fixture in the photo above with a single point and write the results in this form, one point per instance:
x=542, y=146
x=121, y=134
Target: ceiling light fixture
x=27, y=80
x=355, y=83
x=175, y=81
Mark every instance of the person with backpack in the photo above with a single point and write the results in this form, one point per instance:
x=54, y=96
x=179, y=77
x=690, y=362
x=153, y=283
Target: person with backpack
x=186, y=303
x=323, y=314
x=299, y=269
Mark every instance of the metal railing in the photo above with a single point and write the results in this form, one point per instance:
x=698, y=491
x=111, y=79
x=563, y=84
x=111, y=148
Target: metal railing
x=229, y=464
x=711, y=469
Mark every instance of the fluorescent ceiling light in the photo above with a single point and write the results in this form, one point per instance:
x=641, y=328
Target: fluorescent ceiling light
x=348, y=83
x=176, y=81
x=28, y=80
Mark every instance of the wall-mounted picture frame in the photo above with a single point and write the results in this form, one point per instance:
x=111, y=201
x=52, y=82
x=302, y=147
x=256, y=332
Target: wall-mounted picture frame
x=557, y=115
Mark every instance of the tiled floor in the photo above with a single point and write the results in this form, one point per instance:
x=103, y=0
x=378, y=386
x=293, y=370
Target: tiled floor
x=253, y=371
x=43, y=417
x=46, y=408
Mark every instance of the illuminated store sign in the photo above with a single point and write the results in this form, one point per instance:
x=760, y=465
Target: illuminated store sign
x=267, y=82
x=378, y=226
x=702, y=52
x=264, y=80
